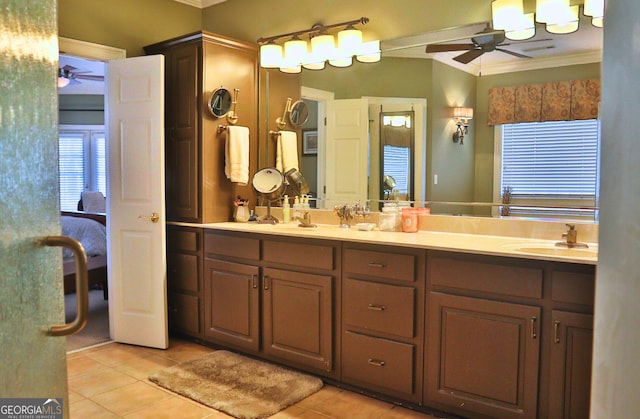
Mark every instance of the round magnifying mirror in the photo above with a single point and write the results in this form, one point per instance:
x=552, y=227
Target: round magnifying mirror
x=299, y=113
x=269, y=183
x=220, y=102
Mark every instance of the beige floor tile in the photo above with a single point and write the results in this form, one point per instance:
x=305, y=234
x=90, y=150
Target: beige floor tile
x=118, y=354
x=89, y=409
x=97, y=382
x=399, y=412
x=75, y=397
x=185, y=352
x=82, y=364
x=319, y=397
x=171, y=408
x=348, y=405
x=131, y=398
x=145, y=367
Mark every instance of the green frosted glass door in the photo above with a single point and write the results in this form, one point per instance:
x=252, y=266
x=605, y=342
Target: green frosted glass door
x=33, y=364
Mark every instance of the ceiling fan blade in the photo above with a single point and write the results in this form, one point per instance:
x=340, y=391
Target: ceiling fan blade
x=469, y=56
x=525, y=41
x=515, y=54
x=69, y=68
x=89, y=77
x=448, y=47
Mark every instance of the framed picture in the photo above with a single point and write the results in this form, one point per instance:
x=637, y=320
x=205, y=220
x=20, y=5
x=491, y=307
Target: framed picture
x=310, y=141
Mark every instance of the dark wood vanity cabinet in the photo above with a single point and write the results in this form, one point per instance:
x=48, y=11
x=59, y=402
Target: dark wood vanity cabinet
x=197, y=189
x=508, y=338
x=382, y=319
x=184, y=280
x=273, y=297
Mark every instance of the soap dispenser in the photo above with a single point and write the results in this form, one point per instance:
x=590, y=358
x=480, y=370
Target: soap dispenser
x=296, y=207
x=286, y=210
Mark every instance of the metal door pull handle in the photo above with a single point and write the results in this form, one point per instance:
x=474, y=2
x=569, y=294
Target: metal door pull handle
x=375, y=307
x=82, y=285
x=376, y=265
x=154, y=217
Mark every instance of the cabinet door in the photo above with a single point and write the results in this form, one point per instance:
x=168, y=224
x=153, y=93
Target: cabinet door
x=181, y=149
x=571, y=353
x=297, y=318
x=232, y=304
x=482, y=356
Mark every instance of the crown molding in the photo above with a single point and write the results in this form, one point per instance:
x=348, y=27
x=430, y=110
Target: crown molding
x=200, y=4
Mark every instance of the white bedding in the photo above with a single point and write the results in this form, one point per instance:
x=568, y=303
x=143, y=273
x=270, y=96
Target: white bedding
x=90, y=233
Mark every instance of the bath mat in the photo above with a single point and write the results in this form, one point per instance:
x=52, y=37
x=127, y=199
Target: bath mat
x=239, y=386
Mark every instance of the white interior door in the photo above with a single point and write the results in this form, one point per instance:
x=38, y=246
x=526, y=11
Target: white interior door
x=347, y=151
x=136, y=222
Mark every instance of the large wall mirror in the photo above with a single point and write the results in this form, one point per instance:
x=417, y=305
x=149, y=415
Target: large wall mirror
x=431, y=85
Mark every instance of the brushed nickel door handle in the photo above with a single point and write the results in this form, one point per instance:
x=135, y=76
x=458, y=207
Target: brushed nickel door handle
x=82, y=285
x=154, y=217
x=376, y=362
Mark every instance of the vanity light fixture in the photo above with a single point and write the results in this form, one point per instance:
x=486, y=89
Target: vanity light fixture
x=462, y=117
x=321, y=48
x=558, y=16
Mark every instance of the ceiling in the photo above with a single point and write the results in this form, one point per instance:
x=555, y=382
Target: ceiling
x=547, y=50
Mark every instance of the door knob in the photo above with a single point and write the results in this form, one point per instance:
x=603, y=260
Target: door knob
x=154, y=217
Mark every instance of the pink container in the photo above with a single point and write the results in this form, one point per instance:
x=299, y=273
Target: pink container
x=410, y=220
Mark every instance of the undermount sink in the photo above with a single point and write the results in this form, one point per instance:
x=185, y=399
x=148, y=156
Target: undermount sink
x=560, y=251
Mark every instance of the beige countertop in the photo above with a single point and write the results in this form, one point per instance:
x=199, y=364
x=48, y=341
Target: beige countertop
x=526, y=248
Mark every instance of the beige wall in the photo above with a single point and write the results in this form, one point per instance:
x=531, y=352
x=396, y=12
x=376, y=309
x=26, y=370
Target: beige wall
x=127, y=24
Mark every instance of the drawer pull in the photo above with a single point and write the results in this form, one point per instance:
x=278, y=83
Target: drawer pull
x=534, y=335
x=376, y=265
x=375, y=307
x=376, y=362
x=254, y=283
x=266, y=283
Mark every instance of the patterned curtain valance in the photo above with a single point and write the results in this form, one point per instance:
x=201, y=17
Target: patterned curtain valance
x=555, y=101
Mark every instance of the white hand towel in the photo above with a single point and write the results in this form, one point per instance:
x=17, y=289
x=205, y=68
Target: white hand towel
x=287, y=151
x=236, y=166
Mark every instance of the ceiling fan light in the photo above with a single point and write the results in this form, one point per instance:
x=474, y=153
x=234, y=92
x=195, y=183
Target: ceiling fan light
x=527, y=29
x=506, y=14
x=567, y=26
x=270, y=55
x=552, y=11
x=63, y=81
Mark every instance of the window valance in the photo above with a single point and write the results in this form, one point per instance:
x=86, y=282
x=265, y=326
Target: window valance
x=555, y=101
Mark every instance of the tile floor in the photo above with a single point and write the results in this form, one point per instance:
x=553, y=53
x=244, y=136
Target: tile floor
x=110, y=381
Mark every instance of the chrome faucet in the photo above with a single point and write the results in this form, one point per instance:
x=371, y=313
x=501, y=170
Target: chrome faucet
x=571, y=238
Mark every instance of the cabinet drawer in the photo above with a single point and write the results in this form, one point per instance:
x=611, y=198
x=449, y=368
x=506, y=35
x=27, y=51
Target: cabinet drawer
x=184, y=313
x=494, y=278
x=183, y=240
x=233, y=246
x=182, y=272
x=573, y=287
x=381, y=265
x=318, y=256
x=380, y=362
x=379, y=307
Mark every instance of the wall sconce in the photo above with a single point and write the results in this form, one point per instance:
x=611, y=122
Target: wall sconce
x=321, y=48
x=462, y=117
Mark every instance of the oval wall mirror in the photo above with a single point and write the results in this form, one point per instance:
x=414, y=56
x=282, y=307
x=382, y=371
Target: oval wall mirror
x=299, y=113
x=220, y=102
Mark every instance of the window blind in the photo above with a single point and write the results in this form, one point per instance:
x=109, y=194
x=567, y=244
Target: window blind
x=396, y=164
x=551, y=160
x=71, y=166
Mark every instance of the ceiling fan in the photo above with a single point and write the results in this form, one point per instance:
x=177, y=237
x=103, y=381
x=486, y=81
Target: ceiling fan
x=70, y=75
x=487, y=40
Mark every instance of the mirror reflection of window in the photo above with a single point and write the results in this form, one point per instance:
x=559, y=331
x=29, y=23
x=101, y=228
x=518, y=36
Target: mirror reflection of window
x=397, y=150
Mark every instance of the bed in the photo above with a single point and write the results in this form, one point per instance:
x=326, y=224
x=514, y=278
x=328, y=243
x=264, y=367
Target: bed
x=90, y=230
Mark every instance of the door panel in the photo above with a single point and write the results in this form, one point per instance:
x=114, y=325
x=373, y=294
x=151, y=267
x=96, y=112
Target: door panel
x=32, y=363
x=137, y=261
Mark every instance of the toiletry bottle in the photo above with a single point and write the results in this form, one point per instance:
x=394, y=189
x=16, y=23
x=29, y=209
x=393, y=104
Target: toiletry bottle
x=305, y=202
x=296, y=207
x=286, y=210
